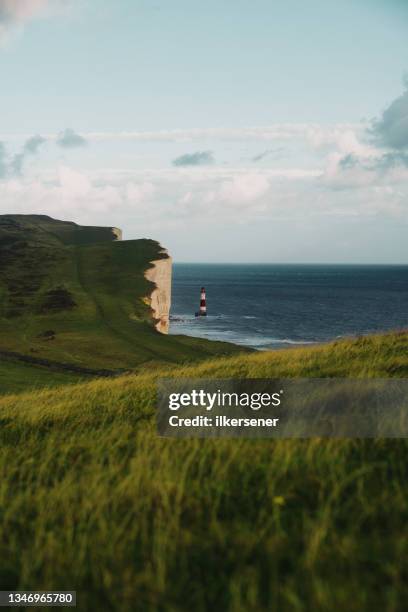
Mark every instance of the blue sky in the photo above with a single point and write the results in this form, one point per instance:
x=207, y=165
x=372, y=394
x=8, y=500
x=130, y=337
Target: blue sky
x=257, y=123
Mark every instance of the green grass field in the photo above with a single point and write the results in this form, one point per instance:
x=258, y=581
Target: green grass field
x=90, y=291
x=92, y=499
x=17, y=377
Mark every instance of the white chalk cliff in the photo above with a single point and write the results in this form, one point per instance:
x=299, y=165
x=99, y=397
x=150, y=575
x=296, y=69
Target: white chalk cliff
x=117, y=233
x=160, y=298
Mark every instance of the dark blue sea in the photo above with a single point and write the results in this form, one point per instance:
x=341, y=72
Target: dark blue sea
x=275, y=306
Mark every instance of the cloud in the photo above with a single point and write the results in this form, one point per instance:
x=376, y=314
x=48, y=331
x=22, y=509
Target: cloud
x=315, y=134
x=318, y=137
x=199, y=158
x=21, y=10
x=69, y=139
x=137, y=193
x=268, y=153
x=33, y=144
x=391, y=160
x=272, y=132
x=244, y=189
x=3, y=161
x=355, y=172
x=391, y=130
x=169, y=205
x=31, y=147
x=375, y=157
x=15, y=13
x=153, y=194
x=384, y=162
x=348, y=161
x=15, y=165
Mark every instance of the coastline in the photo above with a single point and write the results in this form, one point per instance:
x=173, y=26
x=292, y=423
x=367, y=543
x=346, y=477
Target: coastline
x=160, y=273
x=277, y=307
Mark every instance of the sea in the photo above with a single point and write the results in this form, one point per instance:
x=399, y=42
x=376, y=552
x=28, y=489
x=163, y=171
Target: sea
x=271, y=306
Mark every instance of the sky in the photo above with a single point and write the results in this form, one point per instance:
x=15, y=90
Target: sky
x=233, y=131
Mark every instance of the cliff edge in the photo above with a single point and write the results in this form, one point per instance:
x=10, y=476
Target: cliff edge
x=80, y=296
x=160, y=299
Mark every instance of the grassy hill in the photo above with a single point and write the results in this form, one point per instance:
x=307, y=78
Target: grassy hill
x=92, y=499
x=73, y=294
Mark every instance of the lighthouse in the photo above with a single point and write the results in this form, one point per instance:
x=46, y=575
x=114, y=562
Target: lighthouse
x=203, y=305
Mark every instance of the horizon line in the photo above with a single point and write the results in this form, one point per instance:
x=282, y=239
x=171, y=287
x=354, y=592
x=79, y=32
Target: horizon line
x=287, y=263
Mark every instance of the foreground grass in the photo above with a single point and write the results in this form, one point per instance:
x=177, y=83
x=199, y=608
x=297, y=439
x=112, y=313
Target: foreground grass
x=91, y=499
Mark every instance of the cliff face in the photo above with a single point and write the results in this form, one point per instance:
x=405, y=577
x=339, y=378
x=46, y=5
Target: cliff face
x=117, y=233
x=160, y=299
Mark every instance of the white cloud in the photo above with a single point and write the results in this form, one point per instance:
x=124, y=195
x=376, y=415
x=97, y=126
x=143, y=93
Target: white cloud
x=21, y=10
x=243, y=189
x=352, y=171
x=315, y=135
x=73, y=184
x=160, y=198
x=14, y=14
x=138, y=193
x=335, y=173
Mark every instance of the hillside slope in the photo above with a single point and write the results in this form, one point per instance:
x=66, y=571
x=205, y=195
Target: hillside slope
x=92, y=499
x=76, y=295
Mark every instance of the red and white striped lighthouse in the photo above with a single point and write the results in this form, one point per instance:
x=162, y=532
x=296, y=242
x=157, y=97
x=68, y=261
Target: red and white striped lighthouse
x=203, y=304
